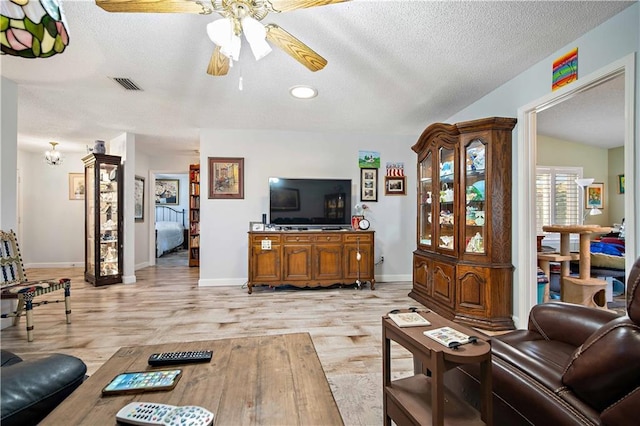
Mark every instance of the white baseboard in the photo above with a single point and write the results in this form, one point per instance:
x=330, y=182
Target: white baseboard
x=393, y=278
x=54, y=265
x=128, y=279
x=221, y=282
x=226, y=282
x=141, y=265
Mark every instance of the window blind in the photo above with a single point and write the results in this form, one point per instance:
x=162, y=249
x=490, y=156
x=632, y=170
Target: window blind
x=558, y=197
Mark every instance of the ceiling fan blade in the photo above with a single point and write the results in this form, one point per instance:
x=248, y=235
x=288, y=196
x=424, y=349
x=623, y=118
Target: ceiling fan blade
x=286, y=5
x=295, y=48
x=219, y=64
x=152, y=6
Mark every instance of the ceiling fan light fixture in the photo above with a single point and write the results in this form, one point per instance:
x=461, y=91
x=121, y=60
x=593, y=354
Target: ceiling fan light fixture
x=303, y=92
x=256, y=35
x=221, y=32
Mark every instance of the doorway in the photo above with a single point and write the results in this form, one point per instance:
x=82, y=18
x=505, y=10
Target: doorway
x=526, y=177
x=170, y=218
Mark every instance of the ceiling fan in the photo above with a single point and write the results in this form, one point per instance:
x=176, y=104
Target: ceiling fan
x=238, y=17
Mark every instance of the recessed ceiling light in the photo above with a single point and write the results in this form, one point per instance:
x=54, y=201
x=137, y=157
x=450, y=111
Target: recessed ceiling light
x=303, y=92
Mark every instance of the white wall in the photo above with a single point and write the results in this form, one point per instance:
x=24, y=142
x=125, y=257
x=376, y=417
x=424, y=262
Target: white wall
x=8, y=175
x=8, y=154
x=52, y=224
x=224, y=223
x=607, y=43
x=142, y=227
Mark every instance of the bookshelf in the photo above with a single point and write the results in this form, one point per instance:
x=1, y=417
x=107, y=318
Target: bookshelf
x=194, y=215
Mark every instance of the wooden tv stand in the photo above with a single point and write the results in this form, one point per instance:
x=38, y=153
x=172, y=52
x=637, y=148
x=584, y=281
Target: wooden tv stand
x=312, y=258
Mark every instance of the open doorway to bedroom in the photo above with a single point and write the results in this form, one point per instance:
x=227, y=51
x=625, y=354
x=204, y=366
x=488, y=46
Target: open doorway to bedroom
x=171, y=218
x=527, y=135
x=582, y=139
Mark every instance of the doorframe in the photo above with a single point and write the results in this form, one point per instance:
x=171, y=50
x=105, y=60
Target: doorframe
x=526, y=176
x=152, y=208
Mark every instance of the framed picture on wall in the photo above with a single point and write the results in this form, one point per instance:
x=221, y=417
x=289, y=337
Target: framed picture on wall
x=594, y=196
x=76, y=186
x=395, y=185
x=167, y=191
x=138, y=199
x=226, y=177
x=620, y=184
x=368, y=184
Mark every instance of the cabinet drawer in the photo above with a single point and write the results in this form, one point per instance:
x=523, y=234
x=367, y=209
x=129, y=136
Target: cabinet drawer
x=352, y=238
x=298, y=238
x=327, y=238
x=256, y=238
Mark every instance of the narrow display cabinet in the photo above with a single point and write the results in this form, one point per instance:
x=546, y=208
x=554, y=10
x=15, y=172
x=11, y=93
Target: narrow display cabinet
x=194, y=215
x=462, y=265
x=103, y=219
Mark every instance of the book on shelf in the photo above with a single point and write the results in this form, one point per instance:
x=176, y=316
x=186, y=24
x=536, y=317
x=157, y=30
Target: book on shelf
x=409, y=319
x=446, y=335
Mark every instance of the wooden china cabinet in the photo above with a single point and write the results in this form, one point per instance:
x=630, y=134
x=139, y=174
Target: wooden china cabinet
x=103, y=219
x=462, y=266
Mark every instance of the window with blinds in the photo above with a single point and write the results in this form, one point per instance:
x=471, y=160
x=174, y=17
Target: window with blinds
x=558, y=197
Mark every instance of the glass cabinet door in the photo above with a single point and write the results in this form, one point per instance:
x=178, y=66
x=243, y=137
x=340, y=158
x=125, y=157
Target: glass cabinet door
x=475, y=229
x=425, y=221
x=109, y=220
x=446, y=185
x=90, y=254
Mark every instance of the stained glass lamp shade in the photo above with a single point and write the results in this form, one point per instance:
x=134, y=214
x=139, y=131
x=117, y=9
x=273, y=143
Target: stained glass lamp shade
x=33, y=28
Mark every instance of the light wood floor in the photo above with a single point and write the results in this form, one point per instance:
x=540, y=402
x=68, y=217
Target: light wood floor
x=166, y=305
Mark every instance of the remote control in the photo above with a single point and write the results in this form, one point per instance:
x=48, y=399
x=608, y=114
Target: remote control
x=154, y=414
x=186, y=357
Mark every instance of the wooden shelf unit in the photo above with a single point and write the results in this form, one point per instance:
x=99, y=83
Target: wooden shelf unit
x=194, y=215
x=462, y=265
x=310, y=258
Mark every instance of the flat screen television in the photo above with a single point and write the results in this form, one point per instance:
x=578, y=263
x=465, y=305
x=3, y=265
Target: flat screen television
x=312, y=203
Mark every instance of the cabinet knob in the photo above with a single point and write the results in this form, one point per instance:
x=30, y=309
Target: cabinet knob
x=297, y=238
x=328, y=238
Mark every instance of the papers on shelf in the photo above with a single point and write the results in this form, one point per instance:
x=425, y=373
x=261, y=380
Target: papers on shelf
x=409, y=319
x=446, y=335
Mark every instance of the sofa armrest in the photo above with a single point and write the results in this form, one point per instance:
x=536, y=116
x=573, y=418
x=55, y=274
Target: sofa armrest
x=566, y=322
x=32, y=389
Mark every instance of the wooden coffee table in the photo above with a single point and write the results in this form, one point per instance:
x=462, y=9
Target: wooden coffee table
x=265, y=380
x=423, y=398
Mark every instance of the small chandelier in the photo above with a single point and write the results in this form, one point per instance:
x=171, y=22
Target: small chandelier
x=33, y=28
x=53, y=157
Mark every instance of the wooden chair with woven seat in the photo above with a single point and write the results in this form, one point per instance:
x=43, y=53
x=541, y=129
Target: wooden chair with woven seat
x=14, y=284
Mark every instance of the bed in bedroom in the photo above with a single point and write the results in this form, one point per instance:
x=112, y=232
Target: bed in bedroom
x=170, y=229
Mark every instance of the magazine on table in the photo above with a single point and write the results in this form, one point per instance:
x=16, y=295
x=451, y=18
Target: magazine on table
x=409, y=319
x=446, y=335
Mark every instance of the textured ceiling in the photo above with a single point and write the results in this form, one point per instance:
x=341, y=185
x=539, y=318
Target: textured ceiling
x=394, y=67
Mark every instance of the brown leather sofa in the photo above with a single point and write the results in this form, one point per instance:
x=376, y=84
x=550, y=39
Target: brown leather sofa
x=573, y=365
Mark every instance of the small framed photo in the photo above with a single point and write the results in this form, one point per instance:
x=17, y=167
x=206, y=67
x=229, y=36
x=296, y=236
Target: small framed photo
x=594, y=197
x=395, y=185
x=226, y=177
x=256, y=226
x=368, y=184
x=620, y=184
x=138, y=199
x=76, y=186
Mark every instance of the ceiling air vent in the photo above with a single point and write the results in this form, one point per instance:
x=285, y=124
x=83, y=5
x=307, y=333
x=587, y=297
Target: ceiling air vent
x=128, y=84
